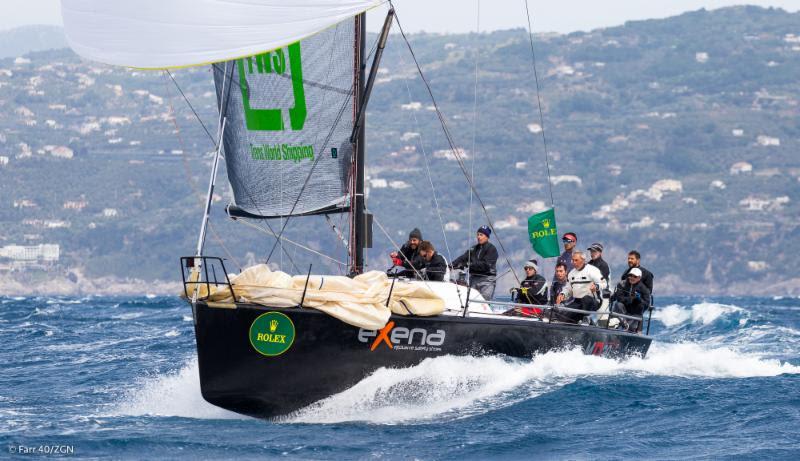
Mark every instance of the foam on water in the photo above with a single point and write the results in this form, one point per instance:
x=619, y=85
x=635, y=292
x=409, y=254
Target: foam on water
x=175, y=394
x=704, y=313
x=450, y=387
x=457, y=387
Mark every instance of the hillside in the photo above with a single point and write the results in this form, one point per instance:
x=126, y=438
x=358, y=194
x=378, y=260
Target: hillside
x=678, y=137
x=23, y=40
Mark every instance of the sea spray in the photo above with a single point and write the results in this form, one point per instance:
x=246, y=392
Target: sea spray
x=172, y=394
x=451, y=387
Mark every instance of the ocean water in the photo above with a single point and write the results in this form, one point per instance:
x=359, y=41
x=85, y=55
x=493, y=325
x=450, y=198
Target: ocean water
x=101, y=377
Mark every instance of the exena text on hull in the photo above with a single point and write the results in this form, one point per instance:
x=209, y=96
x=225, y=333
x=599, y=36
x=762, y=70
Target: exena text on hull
x=292, y=89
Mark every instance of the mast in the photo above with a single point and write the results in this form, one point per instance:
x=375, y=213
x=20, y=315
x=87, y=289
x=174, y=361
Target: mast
x=362, y=222
x=358, y=228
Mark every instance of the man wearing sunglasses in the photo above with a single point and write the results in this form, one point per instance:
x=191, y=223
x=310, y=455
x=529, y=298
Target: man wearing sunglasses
x=632, y=298
x=633, y=262
x=569, y=240
x=532, y=290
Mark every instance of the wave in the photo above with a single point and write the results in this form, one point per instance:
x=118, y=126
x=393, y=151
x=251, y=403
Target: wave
x=704, y=313
x=174, y=394
x=456, y=387
x=451, y=387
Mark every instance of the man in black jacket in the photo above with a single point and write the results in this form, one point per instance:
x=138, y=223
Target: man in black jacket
x=633, y=261
x=631, y=297
x=596, y=250
x=433, y=264
x=532, y=290
x=559, y=280
x=481, y=260
x=408, y=257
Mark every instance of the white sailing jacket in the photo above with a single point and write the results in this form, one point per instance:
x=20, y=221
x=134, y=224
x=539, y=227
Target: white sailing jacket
x=579, y=281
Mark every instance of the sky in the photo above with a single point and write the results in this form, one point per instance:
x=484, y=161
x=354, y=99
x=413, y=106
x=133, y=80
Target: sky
x=462, y=15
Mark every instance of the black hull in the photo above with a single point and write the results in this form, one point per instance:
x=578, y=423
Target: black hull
x=329, y=356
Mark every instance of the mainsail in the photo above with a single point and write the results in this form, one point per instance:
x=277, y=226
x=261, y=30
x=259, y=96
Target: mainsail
x=289, y=118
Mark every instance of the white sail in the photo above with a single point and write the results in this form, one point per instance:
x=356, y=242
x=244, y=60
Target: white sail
x=177, y=33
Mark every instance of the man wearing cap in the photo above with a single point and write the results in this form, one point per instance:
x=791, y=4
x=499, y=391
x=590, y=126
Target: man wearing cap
x=631, y=297
x=481, y=260
x=584, y=285
x=408, y=257
x=633, y=261
x=433, y=264
x=569, y=239
x=596, y=251
x=532, y=290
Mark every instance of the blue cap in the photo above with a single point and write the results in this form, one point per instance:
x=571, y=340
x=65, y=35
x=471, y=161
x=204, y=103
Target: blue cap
x=485, y=230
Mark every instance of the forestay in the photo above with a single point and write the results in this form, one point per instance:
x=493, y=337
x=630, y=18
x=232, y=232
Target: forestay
x=289, y=118
x=177, y=33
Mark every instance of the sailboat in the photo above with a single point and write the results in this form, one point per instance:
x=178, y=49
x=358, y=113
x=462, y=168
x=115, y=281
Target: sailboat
x=292, y=91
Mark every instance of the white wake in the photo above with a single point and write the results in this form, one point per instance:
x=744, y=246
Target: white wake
x=455, y=387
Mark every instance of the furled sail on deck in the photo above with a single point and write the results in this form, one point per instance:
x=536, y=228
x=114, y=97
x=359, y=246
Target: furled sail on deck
x=289, y=119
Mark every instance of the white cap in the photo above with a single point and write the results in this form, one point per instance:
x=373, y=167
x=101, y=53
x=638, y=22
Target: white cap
x=635, y=271
x=532, y=263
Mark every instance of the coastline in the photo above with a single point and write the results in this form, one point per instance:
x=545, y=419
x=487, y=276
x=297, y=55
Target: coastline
x=59, y=285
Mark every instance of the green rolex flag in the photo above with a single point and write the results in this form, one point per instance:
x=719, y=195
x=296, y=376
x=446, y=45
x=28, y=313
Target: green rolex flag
x=543, y=234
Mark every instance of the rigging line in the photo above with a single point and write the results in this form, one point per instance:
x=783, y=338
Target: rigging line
x=213, y=141
x=314, y=165
x=474, y=125
x=187, y=171
x=375, y=219
x=310, y=172
x=269, y=231
x=311, y=83
x=223, y=107
x=539, y=101
x=430, y=176
x=451, y=142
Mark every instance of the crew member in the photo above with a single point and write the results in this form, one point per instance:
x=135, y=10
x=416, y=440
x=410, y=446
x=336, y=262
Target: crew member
x=633, y=261
x=481, y=261
x=532, y=290
x=408, y=256
x=631, y=297
x=559, y=281
x=569, y=240
x=584, y=284
x=433, y=264
x=596, y=251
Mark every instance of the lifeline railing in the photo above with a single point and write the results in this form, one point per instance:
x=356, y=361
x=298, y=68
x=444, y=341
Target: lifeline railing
x=190, y=263
x=552, y=309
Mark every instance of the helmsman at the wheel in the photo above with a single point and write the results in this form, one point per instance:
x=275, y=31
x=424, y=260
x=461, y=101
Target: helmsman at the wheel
x=482, y=262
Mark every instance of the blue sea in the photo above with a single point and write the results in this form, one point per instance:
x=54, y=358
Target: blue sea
x=101, y=377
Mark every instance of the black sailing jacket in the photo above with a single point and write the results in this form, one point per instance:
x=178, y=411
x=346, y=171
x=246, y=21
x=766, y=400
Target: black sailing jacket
x=532, y=290
x=647, y=277
x=434, y=269
x=481, y=258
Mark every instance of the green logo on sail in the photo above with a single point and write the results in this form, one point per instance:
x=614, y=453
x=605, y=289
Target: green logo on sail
x=272, y=334
x=274, y=62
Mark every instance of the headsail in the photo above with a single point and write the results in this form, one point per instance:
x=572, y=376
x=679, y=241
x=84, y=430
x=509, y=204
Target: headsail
x=178, y=33
x=289, y=118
